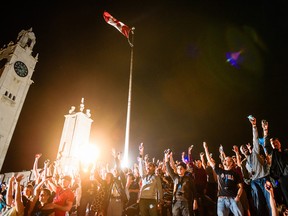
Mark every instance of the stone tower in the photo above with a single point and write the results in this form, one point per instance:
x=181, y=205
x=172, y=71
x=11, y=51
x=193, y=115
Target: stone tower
x=16, y=69
x=75, y=134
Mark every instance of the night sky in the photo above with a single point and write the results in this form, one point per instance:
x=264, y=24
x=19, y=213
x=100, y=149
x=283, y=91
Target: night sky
x=184, y=91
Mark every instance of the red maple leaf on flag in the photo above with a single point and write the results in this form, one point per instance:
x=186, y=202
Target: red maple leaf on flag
x=124, y=29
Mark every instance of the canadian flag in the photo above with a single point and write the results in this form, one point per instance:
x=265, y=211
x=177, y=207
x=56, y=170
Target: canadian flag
x=124, y=29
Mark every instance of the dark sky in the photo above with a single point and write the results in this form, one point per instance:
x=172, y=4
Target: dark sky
x=184, y=92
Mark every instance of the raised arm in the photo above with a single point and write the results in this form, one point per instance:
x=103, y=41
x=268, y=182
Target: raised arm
x=183, y=157
x=170, y=170
x=204, y=164
x=141, y=161
x=208, y=157
x=238, y=156
x=117, y=159
x=270, y=190
x=35, y=166
x=46, y=168
x=222, y=154
x=190, y=156
x=51, y=185
x=18, y=200
x=9, y=196
x=120, y=170
x=172, y=162
x=256, y=147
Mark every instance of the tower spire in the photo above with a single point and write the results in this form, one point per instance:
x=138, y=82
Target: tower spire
x=82, y=105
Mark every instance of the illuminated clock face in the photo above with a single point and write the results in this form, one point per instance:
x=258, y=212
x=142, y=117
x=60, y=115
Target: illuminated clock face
x=20, y=69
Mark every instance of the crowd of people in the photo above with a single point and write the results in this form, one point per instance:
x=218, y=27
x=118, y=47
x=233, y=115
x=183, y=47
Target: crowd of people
x=252, y=181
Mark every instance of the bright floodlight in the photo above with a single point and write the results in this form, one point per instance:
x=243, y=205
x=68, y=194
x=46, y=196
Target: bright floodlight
x=125, y=163
x=88, y=154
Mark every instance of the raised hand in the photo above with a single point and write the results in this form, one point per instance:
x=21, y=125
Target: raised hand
x=252, y=120
x=114, y=153
x=37, y=156
x=190, y=148
x=205, y=146
x=249, y=146
x=19, y=177
x=269, y=187
x=146, y=157
x=13, y=177
x=221, y=148
x=235, y=149
x=141, y=149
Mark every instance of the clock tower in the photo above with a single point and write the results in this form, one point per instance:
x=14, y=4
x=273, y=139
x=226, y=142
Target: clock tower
x=16, y=69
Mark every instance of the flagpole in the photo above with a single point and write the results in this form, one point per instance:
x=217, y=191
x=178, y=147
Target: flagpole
x=127, y=133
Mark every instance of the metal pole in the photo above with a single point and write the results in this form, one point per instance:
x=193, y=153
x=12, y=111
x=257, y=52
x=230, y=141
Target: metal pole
x=126, y=147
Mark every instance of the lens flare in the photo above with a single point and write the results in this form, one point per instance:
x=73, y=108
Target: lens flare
x=234, y=58
x=88, y=154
